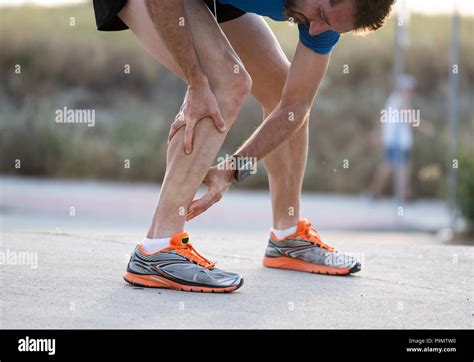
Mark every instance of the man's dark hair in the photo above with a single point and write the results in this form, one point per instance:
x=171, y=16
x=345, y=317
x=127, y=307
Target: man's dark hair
x=370, y=15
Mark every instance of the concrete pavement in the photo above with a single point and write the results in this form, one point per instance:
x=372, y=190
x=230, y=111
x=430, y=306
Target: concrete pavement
x=90, y=204
x=69, y=275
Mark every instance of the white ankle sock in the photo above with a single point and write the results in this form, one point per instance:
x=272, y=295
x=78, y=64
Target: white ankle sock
x=280, y=234
x=151, y=246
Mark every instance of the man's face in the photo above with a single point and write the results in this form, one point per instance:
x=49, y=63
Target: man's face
x=322, y=15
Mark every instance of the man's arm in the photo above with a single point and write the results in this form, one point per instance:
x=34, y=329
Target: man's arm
x=306, y=72
x=168, y=16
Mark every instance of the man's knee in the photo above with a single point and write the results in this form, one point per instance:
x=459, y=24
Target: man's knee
x=233, y=92
x=240, y=85
x=244, y=85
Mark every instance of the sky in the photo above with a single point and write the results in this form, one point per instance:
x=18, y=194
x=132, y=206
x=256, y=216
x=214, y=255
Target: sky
x=466, y=7
x=440, y=6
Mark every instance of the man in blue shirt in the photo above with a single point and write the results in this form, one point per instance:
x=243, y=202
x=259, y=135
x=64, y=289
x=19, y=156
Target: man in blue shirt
x=224, y=50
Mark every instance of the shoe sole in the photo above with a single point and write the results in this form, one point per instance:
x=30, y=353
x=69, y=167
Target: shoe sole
x=300, y=265
x=154, y=281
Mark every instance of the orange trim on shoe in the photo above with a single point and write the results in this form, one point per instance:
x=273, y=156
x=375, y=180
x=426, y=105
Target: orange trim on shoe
x=305, y=231
x=181, y=245
x=156, y=281
x=278, y=239
x=285, y=262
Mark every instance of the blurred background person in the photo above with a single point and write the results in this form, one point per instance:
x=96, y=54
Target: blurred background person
x=396, y=136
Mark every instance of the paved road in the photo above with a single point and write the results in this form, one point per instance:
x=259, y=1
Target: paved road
x=106, y=205
x=409, y=279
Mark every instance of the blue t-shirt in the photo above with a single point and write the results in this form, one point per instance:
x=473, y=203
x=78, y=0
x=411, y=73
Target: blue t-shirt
x=275, y=9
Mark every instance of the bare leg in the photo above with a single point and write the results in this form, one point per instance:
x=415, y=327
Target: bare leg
x=185, y=173
x=267, y=64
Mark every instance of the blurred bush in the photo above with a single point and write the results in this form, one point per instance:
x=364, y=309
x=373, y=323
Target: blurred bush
x=78, y=67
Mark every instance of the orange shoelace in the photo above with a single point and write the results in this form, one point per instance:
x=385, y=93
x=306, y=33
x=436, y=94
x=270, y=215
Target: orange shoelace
x=311, y=234
x=190, y=253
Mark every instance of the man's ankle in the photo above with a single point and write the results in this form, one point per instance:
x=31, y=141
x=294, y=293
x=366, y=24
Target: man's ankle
x=159, y=232
x=151, y=246
x=285, y=224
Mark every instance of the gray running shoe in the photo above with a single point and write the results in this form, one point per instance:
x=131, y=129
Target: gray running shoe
x=179, y=267
x=305, y=251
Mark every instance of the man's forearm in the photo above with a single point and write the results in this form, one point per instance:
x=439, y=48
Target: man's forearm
x=169, y=19
x=305, y=74
x=278, y=127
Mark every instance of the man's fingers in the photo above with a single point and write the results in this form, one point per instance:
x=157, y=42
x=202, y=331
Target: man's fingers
x=201, y=205
x=198, y=211
x=219, y=121
x=177, y=124
x=202, y=202
x=188, y=138
x=192, y=215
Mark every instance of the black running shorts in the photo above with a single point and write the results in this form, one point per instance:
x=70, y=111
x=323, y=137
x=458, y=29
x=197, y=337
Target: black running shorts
x=107, y=20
